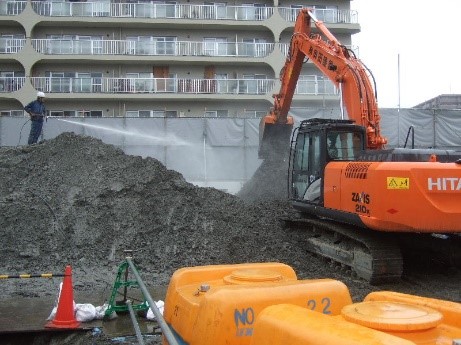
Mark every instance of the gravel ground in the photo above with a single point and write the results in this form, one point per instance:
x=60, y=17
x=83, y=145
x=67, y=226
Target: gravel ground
x=76, y=201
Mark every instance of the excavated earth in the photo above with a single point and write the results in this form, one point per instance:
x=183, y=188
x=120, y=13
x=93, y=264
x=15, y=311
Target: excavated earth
x=74, y=200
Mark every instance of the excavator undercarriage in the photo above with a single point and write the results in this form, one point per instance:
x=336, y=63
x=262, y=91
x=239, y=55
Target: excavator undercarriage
x=374, y=256
x=371, y=256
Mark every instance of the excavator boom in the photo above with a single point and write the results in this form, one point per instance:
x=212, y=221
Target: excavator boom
x=340, y=66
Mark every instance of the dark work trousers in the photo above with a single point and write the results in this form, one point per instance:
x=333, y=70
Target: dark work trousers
x=35, y=131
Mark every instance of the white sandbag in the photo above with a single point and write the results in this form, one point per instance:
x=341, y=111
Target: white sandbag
x=101, y=312
x=85, y=312
x=160, y=306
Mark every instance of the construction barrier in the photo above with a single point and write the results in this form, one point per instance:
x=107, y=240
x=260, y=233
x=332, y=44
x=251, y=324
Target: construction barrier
x=25, y=276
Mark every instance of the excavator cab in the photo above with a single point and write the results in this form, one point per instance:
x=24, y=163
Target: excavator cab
x=318, y=142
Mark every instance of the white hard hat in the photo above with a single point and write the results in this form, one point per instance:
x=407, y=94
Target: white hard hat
x=40, y=94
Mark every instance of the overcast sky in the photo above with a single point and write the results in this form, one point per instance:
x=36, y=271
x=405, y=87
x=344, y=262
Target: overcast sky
x=427, y=37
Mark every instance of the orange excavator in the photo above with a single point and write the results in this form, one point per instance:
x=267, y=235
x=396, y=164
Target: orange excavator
x=362, y=203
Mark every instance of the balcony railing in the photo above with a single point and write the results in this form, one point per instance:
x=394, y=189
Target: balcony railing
x=12, y=8
x=308, y=85
x=284, y=47
x=151, y=10
x=11, y=45
x=153, y=85
x=127, y=47
x=315, y=85
x=329, y=15
x=11, y=84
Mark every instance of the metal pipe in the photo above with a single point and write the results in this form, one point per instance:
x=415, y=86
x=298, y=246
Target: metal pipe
x=135, y=323
x=341, y=100
x=158, y=315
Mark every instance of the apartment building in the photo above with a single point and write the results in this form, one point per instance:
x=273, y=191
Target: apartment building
x=184, y=58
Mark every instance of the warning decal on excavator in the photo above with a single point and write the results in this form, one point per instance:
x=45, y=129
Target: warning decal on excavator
x=398, y=183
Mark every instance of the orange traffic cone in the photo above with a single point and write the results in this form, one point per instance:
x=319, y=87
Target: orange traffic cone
x=65, y=317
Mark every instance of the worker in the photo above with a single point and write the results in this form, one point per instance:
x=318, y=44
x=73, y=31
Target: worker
x=331, y=144
x=357, y=145
x=37, y=112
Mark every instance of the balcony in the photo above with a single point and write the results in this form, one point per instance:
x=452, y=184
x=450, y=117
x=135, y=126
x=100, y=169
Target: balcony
x=11, y=84
x=285, y=47
x=11, y=45
x=307, y=85
x=183, y=11
x=12, y=8
x=315, y=85
x=329, y=15
x=151, y=10
x=140, y=48
x=153, y=85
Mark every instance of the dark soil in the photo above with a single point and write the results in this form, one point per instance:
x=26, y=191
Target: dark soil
x=76, y=201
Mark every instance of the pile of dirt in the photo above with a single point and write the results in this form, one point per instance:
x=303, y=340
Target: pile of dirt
x=269, y=182
x=76, y=201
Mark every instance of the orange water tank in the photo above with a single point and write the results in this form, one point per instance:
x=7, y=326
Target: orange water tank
x=292, y=325
x=384, y=318
x=265, y=303
x=212, y=305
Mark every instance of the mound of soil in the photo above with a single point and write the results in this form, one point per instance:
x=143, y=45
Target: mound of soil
x=75, y=200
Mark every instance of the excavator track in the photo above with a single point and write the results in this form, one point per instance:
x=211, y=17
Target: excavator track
x=437, y=249
x=373, y=257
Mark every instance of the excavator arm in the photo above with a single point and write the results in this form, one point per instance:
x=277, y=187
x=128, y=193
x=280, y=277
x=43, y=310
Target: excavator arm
x=340, y=66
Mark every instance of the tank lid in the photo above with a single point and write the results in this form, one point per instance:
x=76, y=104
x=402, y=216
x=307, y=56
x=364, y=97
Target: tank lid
x=392, y=316
x=254, y=275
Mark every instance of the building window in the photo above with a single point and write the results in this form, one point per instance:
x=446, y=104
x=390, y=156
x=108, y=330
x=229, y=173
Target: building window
x=62, y=113
x=63, y=82
x=164, y=9
x=15, y=7
x=140, y=82
x=324, y=13
x=12, y=113
x=252, y=12
x=255, y=47
x=144, y=113
x=327, y=14
x=89, y=113
x=171, y=113
x=149, y=45
x=254, y=113
x=215, y=46
x=11, y=43
x=216, y=113
x=254, y=84
x=153, y=113
x=74, y=44
x=214, y=10
x=11, y=81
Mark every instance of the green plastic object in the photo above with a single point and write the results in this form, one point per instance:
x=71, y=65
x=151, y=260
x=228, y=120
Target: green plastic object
x=121, y=305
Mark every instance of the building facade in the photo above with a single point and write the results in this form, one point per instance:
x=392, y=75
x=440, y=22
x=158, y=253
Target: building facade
x=445, y=101
x=185, y=58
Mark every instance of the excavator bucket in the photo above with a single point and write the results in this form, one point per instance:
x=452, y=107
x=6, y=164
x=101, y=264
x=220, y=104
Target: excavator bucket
x=274, y=138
